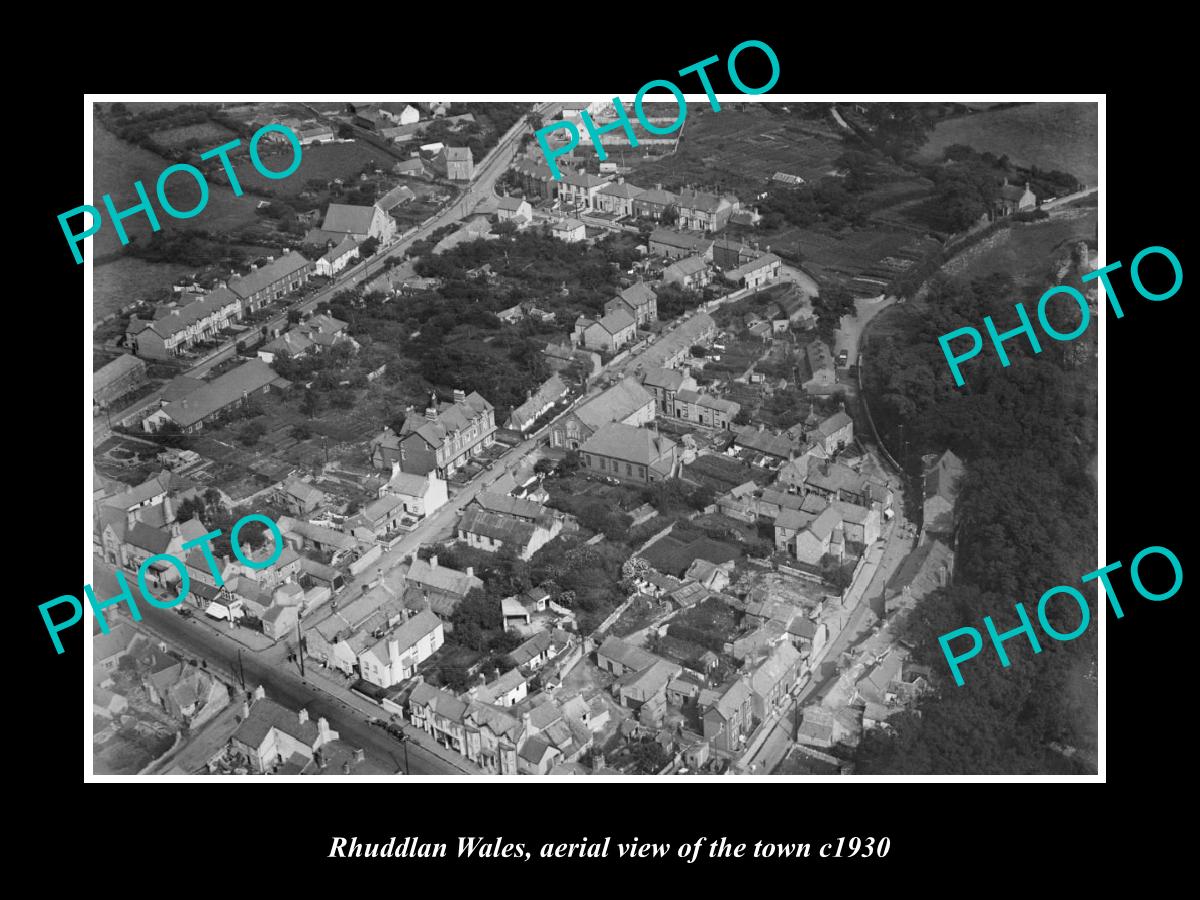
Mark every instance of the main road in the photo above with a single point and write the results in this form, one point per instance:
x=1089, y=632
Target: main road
x=221, y=654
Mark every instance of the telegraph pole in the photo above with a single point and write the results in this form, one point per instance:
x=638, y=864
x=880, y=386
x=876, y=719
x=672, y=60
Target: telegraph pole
x=241, y=668
x=404, y=740
x=300, y=647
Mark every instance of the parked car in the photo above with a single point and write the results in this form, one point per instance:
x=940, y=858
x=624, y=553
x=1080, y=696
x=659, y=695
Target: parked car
x=184, y=611
x=842, y=357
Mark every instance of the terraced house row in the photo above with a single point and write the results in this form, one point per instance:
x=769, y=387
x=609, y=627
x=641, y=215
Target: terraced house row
x=193, y=318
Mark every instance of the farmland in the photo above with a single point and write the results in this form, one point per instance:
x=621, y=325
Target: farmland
x=740, y=147
x=1060, y=136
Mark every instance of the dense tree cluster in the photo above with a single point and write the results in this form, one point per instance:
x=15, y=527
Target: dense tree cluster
x=1027, y=522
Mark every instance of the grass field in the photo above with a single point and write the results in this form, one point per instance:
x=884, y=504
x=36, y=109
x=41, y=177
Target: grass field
x=1026, y=251
x=1062, y=136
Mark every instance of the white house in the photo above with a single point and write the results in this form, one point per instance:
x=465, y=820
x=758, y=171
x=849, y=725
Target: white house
x=422, y=495
x=338, y=258
x=410, y=115
x=395, y=657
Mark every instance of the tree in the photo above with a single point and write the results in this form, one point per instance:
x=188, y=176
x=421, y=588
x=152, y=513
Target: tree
x=345, y=131
x=250, y=433
x=368, y=247
x=310, y=403
x=571, y=462
x=301, y=432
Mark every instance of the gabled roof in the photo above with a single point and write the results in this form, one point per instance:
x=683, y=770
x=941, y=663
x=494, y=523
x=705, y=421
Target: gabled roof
x=143, y=536
x=440, y=702
x=118, y=368
x=684, y=240
x=764, y=442
x=583, y=179
x=617, y=321
x=291, y=342
x=450, y=581
x=512, y=204
x=699, y=200
x=761, y=262
x=498, y=527
x=249, y=377
x=784, y=658
x=265, y=276
x=667, y=379
x=627, y=654
x=267, y=714
x=505, y=684
x=393, y=198
x=348, y=245
x=656, y=196
x=451, y=417
x=638, y=294
x=422, y=624
x=346, y=219
x=689, y=265
x=179, y=318
x=824, y=524
x=116, y=641
x=622, y=189
x=619, y=402
x=628, y=444
x=512, y=506
x=943, y=477
x=731, y=699
x=406, y=484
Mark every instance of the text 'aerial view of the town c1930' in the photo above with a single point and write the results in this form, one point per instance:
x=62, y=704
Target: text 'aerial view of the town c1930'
x=654, y=469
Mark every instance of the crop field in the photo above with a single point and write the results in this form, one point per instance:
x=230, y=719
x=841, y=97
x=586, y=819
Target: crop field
x=741, y=148
x=878, y=253
x=1062, y=136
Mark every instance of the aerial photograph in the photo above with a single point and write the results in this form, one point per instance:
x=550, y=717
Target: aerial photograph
x=452, y=444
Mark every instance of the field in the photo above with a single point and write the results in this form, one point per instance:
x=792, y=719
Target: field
x=1025, y=251
x=118, y=164
x=874, y=254
x=1060, y=136
x=127, y=280
x=740, y=149
x=322, y=162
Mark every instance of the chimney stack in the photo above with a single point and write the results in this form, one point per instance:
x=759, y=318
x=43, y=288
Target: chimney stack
x=433, y=561
x=470, y=571
x=302, y=716
x=323, y=729
x=527, y=721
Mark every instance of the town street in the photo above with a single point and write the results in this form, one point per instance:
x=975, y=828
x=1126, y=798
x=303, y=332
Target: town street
x=345, y=711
